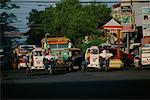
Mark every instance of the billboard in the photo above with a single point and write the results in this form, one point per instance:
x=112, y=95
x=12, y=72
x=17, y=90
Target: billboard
x=126, y=2
x=13, y=34
x=126, y=10
x=127, y=19
x=146, y=21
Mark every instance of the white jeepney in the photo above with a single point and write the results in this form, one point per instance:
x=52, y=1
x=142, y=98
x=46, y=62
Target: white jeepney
x=94, y=57
x=36, y=58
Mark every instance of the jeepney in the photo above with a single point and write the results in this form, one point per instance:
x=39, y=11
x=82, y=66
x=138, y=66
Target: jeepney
x=92, y=57
x=36, y=58
x=102, y=57
x=23, y=50
x=58, y=46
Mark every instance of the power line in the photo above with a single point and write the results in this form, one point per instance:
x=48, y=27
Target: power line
x=139, y=1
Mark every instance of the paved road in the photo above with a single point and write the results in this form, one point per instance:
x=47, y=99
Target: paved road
x=127, y=83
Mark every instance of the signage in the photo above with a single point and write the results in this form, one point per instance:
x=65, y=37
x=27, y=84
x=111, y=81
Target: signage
x=146, y=21
x=126, y=10
x=126, y=2
x=127, y=19
x=57, y=42
x=13, y=34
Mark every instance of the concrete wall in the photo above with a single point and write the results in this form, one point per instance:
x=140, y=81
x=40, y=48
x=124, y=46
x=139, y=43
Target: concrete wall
x=137, y=7
x=138, y=11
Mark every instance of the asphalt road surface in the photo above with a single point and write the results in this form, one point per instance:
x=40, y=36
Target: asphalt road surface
x=93, y=84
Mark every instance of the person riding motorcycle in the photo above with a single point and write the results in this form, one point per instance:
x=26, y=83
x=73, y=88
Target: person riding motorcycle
x=48, y=61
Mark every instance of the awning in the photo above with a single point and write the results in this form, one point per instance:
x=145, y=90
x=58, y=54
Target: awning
x=112, y=24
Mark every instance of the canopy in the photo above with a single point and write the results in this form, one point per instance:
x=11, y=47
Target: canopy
x=112, y=24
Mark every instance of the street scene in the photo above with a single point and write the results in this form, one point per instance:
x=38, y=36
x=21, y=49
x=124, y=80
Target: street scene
x=75, y=49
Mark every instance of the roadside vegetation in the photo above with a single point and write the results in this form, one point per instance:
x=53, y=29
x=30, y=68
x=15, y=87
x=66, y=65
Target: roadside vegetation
x=5, y=20
x=71, y=19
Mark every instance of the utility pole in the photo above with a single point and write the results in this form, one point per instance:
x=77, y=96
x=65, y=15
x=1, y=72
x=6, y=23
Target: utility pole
x=128, y=36
x=128, y=42
x=127, y=20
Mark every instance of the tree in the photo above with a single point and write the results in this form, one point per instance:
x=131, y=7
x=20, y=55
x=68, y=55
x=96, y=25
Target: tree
x=70, y=18
x=95, y=41
x=6, y=19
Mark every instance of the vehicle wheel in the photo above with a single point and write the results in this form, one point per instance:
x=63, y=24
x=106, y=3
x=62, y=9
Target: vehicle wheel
x=139, y=67
x=70, y=68
x=18, y=66
x=80, y=67
x=28, y=71
x=83, y=67
x=50, y=70
x=106, y=67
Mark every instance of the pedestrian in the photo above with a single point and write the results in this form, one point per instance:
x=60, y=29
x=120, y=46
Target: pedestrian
x=26, y=60
x=87, y=56
x=47, y=52
x=47, y=58
x=12, y=61
x=16, y=60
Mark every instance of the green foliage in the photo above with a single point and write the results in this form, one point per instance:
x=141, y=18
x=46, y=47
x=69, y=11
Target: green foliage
x=69, y=18
x=93, y=42
x=5, y=20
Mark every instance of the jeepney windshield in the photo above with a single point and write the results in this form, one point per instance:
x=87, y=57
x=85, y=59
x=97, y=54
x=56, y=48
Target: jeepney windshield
x=94, y=51
x=37, y=53
x=53, y=46
x=62, y=45
x=58, y=46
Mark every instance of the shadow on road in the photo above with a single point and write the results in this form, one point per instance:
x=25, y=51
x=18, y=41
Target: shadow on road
x=134, y=89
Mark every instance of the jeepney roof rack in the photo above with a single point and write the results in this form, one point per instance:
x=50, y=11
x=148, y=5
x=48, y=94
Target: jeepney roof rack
x=52, y=35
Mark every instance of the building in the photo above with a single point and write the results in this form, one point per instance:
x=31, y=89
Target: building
x=137, y=6
x=141, y=30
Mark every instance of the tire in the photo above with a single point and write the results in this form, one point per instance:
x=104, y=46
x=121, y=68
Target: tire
x=50, y=70
x=139, y=67
x=70, y=68
x=19, y=66
x=106, y=69
x=28, y=71
x=80, y=67
x=106, y=66
x=83, y=67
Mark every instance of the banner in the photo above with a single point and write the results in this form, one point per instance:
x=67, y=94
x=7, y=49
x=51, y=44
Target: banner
x=146, y=21
x=13, y=34
x=127, y=19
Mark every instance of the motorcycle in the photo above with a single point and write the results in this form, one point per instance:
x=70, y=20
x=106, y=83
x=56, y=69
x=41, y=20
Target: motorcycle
x=49, y=65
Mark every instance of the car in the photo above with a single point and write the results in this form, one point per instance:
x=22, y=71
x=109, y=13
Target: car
x=77, y=60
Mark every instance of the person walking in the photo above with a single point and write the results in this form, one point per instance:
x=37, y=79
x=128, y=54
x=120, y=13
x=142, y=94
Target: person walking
x=26, y=60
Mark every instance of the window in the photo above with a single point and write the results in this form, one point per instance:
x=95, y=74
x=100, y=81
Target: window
x=38, y=53
x=145, y=51
x=63, y=46
x=94, y=51
x=53, y=46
